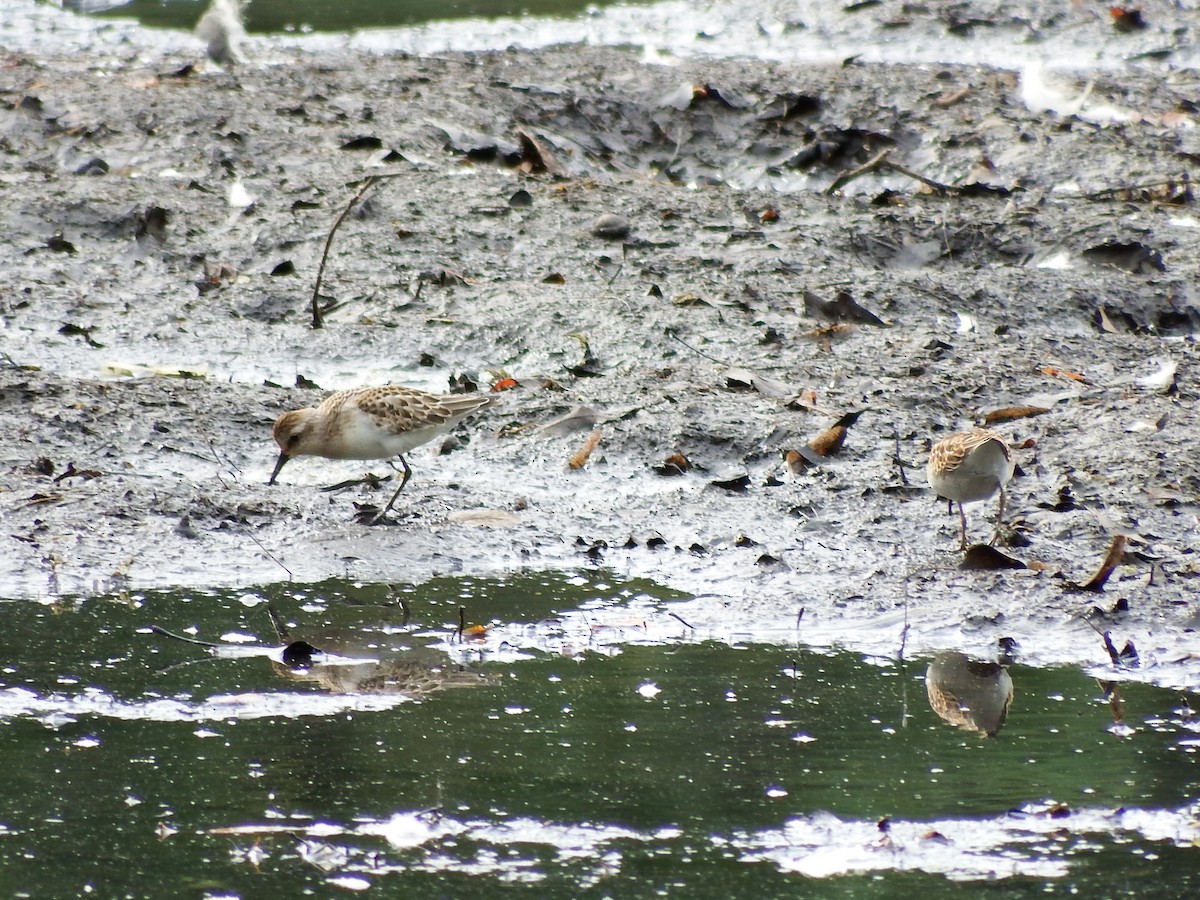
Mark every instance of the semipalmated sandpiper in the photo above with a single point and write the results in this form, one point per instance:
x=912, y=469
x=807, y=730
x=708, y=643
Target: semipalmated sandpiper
x=968, y=466
x=372, y=423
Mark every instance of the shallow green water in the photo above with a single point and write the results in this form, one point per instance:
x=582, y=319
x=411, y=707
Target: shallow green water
x=266, y=16
x=566, y=759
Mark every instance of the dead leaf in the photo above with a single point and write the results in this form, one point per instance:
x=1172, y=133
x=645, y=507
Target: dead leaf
x=1106, y=324
x=1009, y=413
x=984, y=556
x=842, y=308
x=949, y=98
x=675, y=464
x=1055, y=372
x=1112, y=559
x=536, y=158
x=736, y=485
x=1127, y=20
x=364, y=142
x=743, y=379
x=581, y=457
x=831, y=440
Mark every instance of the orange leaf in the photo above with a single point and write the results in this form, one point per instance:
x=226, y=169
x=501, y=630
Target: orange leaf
x=1055, y=372
x=1008, y=413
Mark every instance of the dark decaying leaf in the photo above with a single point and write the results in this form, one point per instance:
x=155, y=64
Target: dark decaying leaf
x=1130, y=256
x=983, y=556
x=71, y=472
x=739, y=379
x=476, y=145
x=72, y=330
x=93, y=166
x=59, y=244
x=363, y=142
x=536, y=158
x=838, y=147
x=726, y=96
x=442, y=277
x=786, y=106
x=842, y=308
x=735, y=485
x=590, y=367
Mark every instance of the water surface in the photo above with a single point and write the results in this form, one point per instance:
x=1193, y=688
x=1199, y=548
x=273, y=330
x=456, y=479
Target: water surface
x=554, y=750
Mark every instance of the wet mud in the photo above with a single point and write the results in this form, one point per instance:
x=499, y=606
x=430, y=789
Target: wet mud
x=708, y=264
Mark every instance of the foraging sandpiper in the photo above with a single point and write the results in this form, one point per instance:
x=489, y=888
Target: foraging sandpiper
x=372, y=423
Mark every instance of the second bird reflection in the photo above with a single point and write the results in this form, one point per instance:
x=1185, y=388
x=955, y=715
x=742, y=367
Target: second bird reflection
x=968, y=693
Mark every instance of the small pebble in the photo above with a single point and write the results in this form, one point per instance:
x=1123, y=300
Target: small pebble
x=611, y=226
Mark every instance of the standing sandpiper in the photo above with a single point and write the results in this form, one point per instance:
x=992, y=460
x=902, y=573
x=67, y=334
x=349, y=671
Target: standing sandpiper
x=372, y=423
x=969, y=466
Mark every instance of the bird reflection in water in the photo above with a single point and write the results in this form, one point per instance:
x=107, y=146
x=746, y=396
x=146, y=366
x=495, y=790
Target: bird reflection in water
x=354, y=661
x=968, y=693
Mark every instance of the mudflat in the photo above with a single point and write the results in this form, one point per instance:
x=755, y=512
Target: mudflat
x=689, y=269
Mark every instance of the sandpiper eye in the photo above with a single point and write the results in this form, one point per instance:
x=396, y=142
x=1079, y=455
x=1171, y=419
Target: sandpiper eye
x=293, y=440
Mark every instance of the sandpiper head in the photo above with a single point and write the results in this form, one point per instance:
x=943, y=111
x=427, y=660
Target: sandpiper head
x=291, y=434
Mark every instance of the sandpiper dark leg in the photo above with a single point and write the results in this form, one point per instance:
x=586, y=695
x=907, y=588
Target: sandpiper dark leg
x=403, y=482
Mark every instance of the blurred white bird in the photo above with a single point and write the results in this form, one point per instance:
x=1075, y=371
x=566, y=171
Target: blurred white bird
x=222, y=31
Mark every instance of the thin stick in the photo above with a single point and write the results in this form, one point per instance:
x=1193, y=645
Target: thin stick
x=880, y=162
x=916, y=176
x=671, y=334
x=896, y=459
x=680, y=618
x=871, y=165
x=317, y=320
x=1183, y=181
x=180, y=637
x=270, y=555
